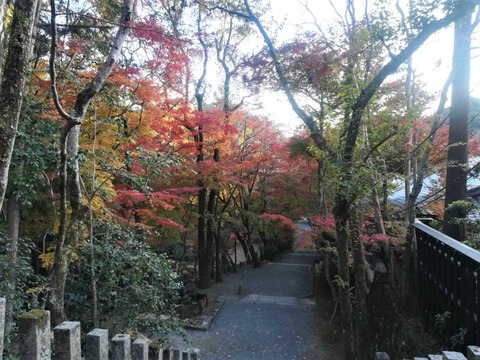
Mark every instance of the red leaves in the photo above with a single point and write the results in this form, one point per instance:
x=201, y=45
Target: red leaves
x=279, y=219
x=322, y=221
x=373, y=238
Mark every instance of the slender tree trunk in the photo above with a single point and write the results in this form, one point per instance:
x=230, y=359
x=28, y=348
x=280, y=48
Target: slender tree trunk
x=416, y=189
x=13, y=222
x=456, y=182
x=322, y=203
x=203, y=265
x=13, y=85
x=60, y=266
x=380, y=227
x=3, y=13
x=386, y=213
x=69, y=175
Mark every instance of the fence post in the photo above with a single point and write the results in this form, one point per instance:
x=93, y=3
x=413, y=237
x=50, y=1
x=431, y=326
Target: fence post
x=168, y=353
x=121, y=347
x=35, y=340
x=140, y=349
x=155, y=351
x=177, y=354
x=186, y=354
x=453, y=355
x=97, y=345
x=194, y=354
x=473, y=353
x=3, y=304
x=66, y=341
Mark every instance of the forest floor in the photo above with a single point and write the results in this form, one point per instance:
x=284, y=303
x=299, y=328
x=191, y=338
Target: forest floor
x=275, y=315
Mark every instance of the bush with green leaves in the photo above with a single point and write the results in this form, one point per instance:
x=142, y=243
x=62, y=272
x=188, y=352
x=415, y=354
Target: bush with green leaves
x=465, y=214
x=19, y=285
x=137, y=289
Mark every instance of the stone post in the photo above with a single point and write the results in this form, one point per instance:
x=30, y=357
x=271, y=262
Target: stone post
x=168, y=353
x=35, y=340
x=453, y=355
x=121, y=347
x=66, y=341
x=473, y=353
x=194, y=354
x=97, y=345
x=177, y=354
x=381, y=356
x=155, y=351
x=186, y=354
x=140, y=349
x=3, y=305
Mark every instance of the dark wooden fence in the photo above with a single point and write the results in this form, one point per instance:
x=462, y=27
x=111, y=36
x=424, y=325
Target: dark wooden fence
x=448, y=274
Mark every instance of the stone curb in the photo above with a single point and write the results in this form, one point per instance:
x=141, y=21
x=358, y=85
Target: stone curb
x=202, y=322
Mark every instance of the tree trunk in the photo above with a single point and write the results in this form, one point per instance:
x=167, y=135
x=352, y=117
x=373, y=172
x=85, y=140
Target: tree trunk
x=203, y=265
x=360, y=304
x=13, y=85
x=244, y=245
x=254, y=256
x=341, y=213
x=218, y=253
x=13, y=222
x=456, y=182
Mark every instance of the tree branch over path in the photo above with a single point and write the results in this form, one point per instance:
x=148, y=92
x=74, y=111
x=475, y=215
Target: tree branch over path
x=390, y=68
x=365, y=95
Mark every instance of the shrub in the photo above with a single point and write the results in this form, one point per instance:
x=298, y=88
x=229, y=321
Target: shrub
x=136, y=287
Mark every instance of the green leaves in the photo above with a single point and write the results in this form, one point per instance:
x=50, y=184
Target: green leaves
x=135, y=285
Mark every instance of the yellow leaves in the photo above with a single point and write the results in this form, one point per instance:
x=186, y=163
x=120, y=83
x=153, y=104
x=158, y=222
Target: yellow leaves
x=34, y=290
x=48, y=258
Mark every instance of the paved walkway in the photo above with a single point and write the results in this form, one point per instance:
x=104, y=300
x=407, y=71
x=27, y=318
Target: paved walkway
x=274, y=317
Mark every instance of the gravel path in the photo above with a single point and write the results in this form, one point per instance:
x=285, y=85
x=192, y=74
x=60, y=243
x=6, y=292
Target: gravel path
x=274, y=317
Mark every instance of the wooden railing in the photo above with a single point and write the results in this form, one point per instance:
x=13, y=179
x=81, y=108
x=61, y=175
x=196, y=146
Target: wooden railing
x=448, y=273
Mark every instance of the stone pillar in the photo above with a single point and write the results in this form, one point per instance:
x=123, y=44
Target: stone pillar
x=66, y=341
x=177, y=354
x=473, y=353
x=97, y=345
x=194, y=354
x=121, y=347
x=155, y=351
x=140, y=349
x=168, y=353
x=186, y=354
x=3, y=305
x=453, y=355
x=35, y=340
x=381, y=356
